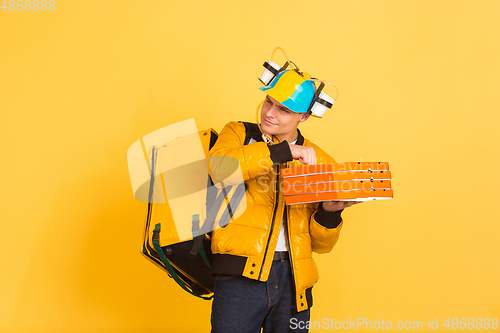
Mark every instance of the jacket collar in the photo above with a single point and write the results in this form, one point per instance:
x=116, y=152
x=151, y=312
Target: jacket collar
x=300, y=139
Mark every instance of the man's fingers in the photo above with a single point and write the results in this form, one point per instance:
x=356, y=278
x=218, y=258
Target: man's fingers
x=306, y=155
x=311, y=156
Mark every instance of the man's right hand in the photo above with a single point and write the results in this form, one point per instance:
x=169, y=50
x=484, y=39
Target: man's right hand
x=306, y=155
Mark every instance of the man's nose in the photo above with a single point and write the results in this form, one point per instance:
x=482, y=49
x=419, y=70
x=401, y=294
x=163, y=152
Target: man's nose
x=271, y=112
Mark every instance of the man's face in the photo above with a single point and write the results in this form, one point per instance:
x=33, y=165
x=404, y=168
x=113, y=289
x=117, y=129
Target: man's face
x=277, y=119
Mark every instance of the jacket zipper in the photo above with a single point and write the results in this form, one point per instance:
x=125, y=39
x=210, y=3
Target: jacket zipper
x=277, y=190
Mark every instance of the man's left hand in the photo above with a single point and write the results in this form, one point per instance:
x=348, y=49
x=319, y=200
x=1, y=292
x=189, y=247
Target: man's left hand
x=333, y=206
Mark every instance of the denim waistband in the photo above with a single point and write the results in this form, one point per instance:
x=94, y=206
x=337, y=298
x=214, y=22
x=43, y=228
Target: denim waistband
x=281, y=255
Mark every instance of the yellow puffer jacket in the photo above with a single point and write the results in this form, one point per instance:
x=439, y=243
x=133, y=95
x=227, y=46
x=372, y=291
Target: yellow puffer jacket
x=246, y=245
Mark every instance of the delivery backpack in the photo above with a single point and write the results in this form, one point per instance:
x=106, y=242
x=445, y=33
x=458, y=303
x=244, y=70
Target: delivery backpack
x=189, y=262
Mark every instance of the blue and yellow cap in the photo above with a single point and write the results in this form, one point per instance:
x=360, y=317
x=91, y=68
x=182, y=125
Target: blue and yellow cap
x=292, y=90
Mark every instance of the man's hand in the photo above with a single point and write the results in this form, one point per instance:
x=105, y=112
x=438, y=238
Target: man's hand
x=306, y=155
x=333, y=206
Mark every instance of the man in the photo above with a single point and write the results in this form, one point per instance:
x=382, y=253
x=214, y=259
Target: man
x=262, y=260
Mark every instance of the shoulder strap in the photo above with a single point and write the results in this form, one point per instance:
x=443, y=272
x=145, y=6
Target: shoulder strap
x=213, y=137
x=252, y=133
x=214, y=201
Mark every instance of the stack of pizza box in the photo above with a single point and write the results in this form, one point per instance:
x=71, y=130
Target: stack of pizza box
x=348, y=181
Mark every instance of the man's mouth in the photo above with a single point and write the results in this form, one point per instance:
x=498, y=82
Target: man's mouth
x=268, y=122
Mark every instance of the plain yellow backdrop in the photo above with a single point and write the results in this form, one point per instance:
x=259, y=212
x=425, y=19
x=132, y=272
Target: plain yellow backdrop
x=418, y=83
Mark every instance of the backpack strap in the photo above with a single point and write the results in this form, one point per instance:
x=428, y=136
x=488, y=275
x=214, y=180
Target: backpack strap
x=233, y=204
x=210, y=220
x=252, y=133
x=196, y=231
x=166, y=263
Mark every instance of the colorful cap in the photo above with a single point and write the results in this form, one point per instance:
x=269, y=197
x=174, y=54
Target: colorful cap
x=292, y=90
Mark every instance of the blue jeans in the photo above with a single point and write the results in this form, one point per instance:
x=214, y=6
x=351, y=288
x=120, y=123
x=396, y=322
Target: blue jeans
x=243, y=305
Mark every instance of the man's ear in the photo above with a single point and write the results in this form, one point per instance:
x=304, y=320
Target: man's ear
x=304, y=117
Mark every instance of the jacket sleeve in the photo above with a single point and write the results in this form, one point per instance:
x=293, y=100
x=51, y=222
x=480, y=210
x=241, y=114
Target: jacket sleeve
x=232, y=162
x=324, y=228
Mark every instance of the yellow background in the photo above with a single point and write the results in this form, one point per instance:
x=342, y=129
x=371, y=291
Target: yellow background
x=418, y=84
